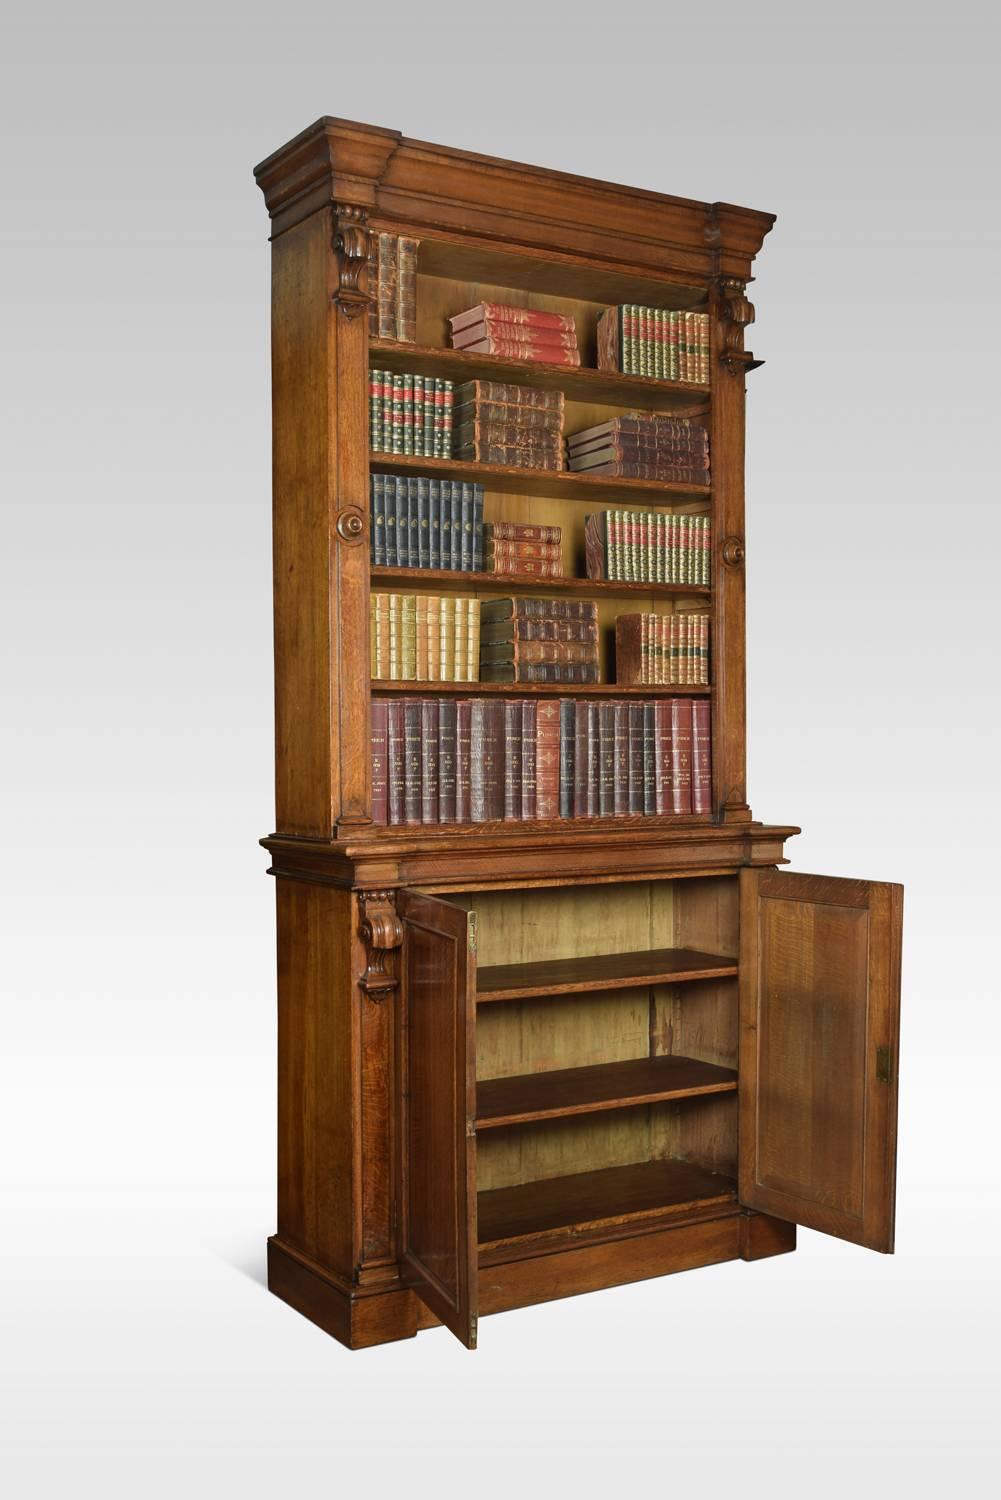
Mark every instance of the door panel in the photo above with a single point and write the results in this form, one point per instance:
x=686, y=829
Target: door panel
x=438, y=1055
x=819, y=1024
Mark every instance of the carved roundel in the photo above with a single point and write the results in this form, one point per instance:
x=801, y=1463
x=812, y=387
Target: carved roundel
x=351, y=525
x=732, y=551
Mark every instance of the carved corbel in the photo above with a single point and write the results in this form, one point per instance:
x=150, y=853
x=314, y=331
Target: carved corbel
x=735, y=314
x=381, y=932
x=352, y=247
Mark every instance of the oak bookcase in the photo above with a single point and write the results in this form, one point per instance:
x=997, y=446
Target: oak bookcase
x=522, y=1061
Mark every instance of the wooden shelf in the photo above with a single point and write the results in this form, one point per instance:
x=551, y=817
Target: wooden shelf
x=606, y=971
x=590, y=1200
x=578, y=383
x=557, y=484
x=506, y=583
x=580, y=1091
x=543, y=689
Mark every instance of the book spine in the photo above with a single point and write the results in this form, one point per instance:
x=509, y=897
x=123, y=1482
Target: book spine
x=505, y=435
x=606, y=760
x=547, y=354
x=387, y=286
x=401, y=524
x=473, y=392
x=413, y=520
x=412, y=760
x=512, y=531
x=447, y=714
x=396, y=751
x=380, y=761
x=406, y=288
x=681, y=755
x=455, y=512
x=511, y=456
x=621, y=469
x=528, y=753
x=466, y=532
x=512, y=759
x=423, y=522
x=478, y=495
x=649, y=760
x=417, y=425
x=535, y=651
x=429, y=760
x=463, y=714
x=620, y=785
x=526, y=317
x=448, y=402
x=375, y=410
x=634, y=756
x=545, y=551
x=543, y=673
x=702, y=772
x=435, y=559
x=377, y=520
x=537, y=628
x=547, y=759
x=515, y=334
x=525, y=567
x=567, y=749
x=493, y=761
x=582, y=750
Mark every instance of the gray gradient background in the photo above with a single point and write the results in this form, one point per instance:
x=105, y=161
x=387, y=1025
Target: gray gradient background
x=139, y=1354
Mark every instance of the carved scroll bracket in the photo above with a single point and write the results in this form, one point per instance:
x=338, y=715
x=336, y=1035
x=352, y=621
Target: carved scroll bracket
x=352, y=245
x=735, y=314
x=381, y=932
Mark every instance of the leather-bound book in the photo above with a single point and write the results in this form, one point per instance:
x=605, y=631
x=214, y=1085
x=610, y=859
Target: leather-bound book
x=514, y=531
x=463, y=785
x=596, y=546
x=512, y=758
x=536, y=628
x=380, y=761
x=567, y=752
x=649, y=760
x=475, y=433
x=581, y=674
x=606, y=760
x=593, y=761
x=511, y=457
x=547, y=758
x=518, y=652
x=664, y=757
x=525, y=567
x=621, y=782
x=526, y=334
x=386, y=289
x=523, y=606
x=447, y=715
x=702, y=765
x=429, y=760
x=642, y=424
x=681, y=755
x=512, y=551
x=635, y=745
x=486, y=756
x=412, y=760
x=541, y=419
x=475, y=391
x=581, y=758
x=529, y=726
x=548, y=354
x=406, y=287
x=631, y=653
x=503, y=312
x=396, y=748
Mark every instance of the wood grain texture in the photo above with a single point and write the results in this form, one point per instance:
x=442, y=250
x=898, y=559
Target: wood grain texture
x=438, y=1168
x=598, y=490
x=574, y=1091
x=819, y=998
x=437, y=580
x=602, y=972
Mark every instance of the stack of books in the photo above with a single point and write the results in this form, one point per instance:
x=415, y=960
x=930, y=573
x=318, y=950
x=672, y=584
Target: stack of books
x=516, y=333
x=652, y=342
x=535, y=550
x=647, y=547
x=642, y=445
x=410, y=414
x=652, y=649
x=417, y=638
x=417, y=522
x=539, y=640
x=498, y=423
x=393, y=284
x=442, y=760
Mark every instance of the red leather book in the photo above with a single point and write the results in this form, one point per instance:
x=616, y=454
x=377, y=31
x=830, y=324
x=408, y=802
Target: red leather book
x=649, y=759
x=503, y=312
x=545, y=551
x=412, y=760
x=514, y=531
x=546, y=354
x=521, y=334
x=524, y=567
x=547, y=758
x=463, y=717
x=512, y=758
x=528, y=753
x=429, y=760
x=702, y=765
x=380, y=761
x=397, y=758
x=663, y=757
x=447, y=715
x=681, y=755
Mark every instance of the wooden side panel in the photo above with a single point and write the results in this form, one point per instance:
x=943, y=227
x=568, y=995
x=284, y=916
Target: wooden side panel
x=315, y=1048
x=819, y=1022
x=438, y=1048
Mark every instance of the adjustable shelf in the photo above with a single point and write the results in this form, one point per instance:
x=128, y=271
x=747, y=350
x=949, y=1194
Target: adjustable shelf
x=558, y=484
x=605, y=971
x=544, y=689
x=591, y=1200
x=506, y=583
x=580, y=1091
x=578, y=383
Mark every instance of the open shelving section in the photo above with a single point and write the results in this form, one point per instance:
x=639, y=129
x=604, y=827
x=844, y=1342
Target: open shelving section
x=603, y=971
x=605, y=1086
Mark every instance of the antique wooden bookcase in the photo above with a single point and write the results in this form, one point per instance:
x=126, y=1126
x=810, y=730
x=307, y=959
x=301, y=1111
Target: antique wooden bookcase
x=522, y=1061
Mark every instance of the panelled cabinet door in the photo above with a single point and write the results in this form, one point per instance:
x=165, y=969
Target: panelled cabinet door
x=819, y=1026
x=438, y=1056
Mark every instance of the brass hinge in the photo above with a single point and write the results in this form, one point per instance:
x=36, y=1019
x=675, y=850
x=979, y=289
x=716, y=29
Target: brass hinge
x=471, y=926
x=882, y=1064
x=474, y=1324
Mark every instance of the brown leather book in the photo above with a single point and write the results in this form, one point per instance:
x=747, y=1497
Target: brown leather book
x=505, y=435
x=380, y=761
x=512, y=456
x=543, y=551
x=447, y=715
x=606, y=760
x=642, y=424
x=539, y=419
x=620, y=799
x=681, y=755
x=630, y=656
x=702, y=765
x=463, y=750
x=579, y=673
x=524, y=606
x=646, y=450
x=547, y=758
x=582, y=758
x=663, y=757
x=512, y=759
x=529, y=731
x=619, y=469
x=486, y=755
x=514, y=531
x=396, y=746
x=494, y=653
x=525, y=567
x=521, y=629
x=406, y=288
x=473, y=392
x=412, y=760
x=634, y=712
x=429, y=760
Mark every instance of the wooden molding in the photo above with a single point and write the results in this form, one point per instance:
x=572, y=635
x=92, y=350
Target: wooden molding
x=381, y=932
x=735, y=314
x=352, y=241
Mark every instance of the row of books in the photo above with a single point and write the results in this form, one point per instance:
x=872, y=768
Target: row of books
x=653, y=342
x=439, y=760
x=410, y=414
x=508, y=332
x=419, y=638
x=642, y=445
x=421, y=522
x=539, y=640
x=662, y=649
x=648, y=547
x=393, y=284
x=519, y=430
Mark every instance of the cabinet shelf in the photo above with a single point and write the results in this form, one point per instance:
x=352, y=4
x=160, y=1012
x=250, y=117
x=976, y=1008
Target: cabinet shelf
x=580, y=1091
x=605, y=971
x=578, y=383
x=552, y=689
x=556, y=484
x=507, y=583
x=591, y=1200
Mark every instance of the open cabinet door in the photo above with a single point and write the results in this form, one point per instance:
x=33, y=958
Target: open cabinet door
x=819, y=1025
x=438, y=1054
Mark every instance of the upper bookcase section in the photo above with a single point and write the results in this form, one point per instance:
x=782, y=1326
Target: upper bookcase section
x=462, y=196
